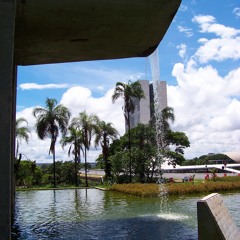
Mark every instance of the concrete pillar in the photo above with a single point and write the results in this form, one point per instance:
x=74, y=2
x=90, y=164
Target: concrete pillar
x=7, y=114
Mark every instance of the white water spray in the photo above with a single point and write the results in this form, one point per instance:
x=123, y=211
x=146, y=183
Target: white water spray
x=154, y=61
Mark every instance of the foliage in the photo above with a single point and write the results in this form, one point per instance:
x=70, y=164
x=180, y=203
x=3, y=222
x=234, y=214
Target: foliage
x=129, y=92
x=144, y=151
x=65, y=173
x=153, y=190
x=22, y=132
x=50, y=120
x=204, y=159
x=120, y=163
x=137, y=189
x=105, y=133
x=100, y=162
x=75, y=140
x=28, y=174
x=87, y=124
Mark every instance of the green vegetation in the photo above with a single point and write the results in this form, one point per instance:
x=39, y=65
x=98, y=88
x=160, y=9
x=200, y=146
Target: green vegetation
x=137, y=189
x=50, y=121
x=143, y=153
x=154, y=190
x=205, y=159
x=129, y=92
x=104, y=133
x=22, y=133
x=132, y=158
x=29, y=175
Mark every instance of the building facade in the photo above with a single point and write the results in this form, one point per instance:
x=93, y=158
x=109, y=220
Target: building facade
x=144, y=109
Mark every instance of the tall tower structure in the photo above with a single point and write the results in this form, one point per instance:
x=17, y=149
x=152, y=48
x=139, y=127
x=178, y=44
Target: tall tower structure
x=144, y=109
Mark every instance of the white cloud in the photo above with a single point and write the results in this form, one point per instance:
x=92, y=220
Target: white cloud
x=207, y=25
x=31, y=86
x=77, y=99
x=219, y=49
x=188, y=31
x=183, y=8
x=183, y=49
x=236, y=11
x=225, y=46
x=206, y=108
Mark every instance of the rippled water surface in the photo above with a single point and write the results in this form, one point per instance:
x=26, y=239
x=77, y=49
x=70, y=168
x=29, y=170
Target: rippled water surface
x=93, y=214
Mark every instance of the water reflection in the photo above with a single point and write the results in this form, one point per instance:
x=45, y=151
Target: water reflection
x=93, y=214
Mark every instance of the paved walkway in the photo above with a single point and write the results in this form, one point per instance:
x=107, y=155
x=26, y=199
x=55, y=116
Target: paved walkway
x=197, y=175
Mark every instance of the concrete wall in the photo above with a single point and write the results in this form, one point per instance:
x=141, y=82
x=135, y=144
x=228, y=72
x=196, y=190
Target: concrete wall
x=7, y=114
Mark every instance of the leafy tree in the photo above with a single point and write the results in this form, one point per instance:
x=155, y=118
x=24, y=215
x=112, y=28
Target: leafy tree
x=119, y=163
x=22, y=132
x=144, y=141
x=65, y=173
x=143, y=152
x=171, y=144
x=100, y=162
x=75, y=140
x=28, y=174
x=128, y=91
x=87, y=124
x=175, y=143
x=105, y=132
x=50, y=120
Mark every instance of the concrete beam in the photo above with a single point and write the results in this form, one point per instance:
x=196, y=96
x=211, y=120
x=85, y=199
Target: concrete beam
x=49, y=31
x=7, y=116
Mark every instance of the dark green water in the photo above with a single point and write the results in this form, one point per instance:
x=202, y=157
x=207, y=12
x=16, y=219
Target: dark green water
x=94, y=214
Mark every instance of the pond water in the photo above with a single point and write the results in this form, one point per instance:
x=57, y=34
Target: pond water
x=93, y=214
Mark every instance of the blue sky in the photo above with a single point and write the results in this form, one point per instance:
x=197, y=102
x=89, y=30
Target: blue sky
x=199, y=59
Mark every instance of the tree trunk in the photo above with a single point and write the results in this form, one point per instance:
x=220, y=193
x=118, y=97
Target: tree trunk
x=86, y=179
x=54, y=169
x=75, y=168
x=129, y=148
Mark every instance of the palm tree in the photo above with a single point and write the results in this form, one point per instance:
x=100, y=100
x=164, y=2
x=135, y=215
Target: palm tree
x=167, y=114
x=105, y=133
x=128, y=91
x=22, y=132
x=75, y=140
x=50, y=120
x=87, y=124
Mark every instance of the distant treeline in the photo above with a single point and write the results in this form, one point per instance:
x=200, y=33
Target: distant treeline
x=206, y=159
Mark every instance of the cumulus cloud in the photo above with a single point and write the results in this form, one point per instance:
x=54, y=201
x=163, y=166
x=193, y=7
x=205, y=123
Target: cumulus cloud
x=77, y=99
x=208, y=24
x=225, y=46
x=206, y=108
x=31, y=86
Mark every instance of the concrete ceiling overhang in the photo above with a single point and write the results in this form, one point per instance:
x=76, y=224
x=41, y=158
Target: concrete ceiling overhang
x=49, y=31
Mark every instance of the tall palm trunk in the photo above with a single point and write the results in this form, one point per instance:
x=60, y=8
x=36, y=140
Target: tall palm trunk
x=129, y=148
x=54, y=169
x=75, y=168
x=86, y=179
